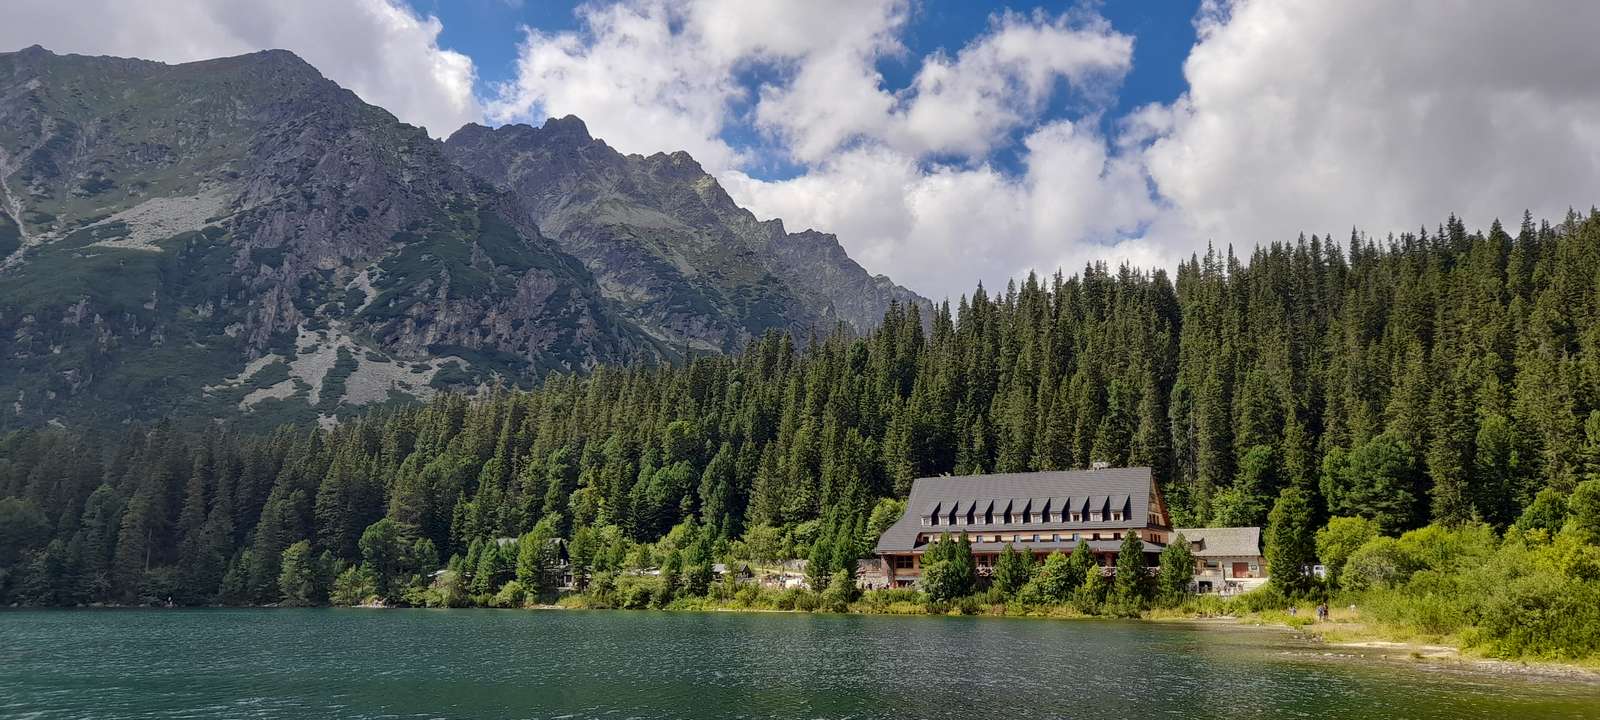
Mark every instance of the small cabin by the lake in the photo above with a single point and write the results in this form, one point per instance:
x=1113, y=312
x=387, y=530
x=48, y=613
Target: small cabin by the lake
x=1227, y=560
x=1038, y=512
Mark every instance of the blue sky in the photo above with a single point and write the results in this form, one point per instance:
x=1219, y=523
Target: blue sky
x=489, y=31
x=946, y=142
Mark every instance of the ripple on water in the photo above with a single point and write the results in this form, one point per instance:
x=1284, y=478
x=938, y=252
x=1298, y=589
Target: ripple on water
x=497, y=664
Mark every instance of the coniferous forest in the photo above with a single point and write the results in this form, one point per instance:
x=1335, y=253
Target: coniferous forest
x=1441, y=377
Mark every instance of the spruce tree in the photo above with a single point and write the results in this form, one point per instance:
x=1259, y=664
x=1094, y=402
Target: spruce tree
x=1291, y=547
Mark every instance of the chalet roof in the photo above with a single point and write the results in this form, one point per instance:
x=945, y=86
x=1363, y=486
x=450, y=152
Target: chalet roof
x=1222, y=542
x=1083, y=491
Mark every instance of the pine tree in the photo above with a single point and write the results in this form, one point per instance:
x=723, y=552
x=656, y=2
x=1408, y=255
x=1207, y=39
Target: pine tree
x=1132, y=584
x=298, y=584
x=1291, y=547
x=1177, y=571
x=1012, y=571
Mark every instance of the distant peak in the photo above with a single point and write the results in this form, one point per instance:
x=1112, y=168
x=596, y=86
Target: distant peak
x=283, y=60
x=569, y=126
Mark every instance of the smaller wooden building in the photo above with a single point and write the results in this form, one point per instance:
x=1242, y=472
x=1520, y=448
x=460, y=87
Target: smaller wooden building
x=1227, y=560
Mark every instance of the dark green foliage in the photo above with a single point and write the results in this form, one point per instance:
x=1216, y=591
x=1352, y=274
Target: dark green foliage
x=1177, y=571
x=948, y=570
x=1291, y=542
x=1445, y=373
x=1339, y=540
x=1012, y=571
x=1376, y=480
x=538, y=556
x=1054, y=582
x=1132, y=583
x=300, y=579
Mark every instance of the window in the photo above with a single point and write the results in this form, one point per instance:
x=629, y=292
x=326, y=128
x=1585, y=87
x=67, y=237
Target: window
x=1077, y=517
x=1055, y=537
x=927, y=520
x=935, y=520
x=1036, y=538
x=1116, y=536
x=1116, y=515
x=904, y=562
x=1095, y=537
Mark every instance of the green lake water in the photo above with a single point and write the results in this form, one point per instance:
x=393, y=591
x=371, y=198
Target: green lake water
x=508, y=664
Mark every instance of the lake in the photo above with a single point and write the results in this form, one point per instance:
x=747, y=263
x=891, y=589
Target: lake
x=579, y=664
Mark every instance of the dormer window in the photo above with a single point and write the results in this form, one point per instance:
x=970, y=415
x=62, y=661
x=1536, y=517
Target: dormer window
x=1116, y=515
x=1077, y=517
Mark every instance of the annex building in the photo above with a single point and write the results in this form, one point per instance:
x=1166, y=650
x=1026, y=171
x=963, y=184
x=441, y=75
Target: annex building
x=1227, y=560
x=1041, y=512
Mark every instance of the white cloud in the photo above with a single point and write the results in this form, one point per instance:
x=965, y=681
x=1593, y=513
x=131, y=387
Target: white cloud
x=659, y=75
x=970, y=104
x=942, y=229
x=1301, y=116
x=1316, y=116
x=901, y=175
x=634, y=77
x=379, y=49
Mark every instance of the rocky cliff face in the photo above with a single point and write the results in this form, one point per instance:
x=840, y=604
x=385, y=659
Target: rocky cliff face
x=667, y=243
x=243, y=238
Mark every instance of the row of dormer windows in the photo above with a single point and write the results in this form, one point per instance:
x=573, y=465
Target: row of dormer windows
x=1024, y=518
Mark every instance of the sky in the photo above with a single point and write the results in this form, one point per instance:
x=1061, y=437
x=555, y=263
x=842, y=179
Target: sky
x=951, y=142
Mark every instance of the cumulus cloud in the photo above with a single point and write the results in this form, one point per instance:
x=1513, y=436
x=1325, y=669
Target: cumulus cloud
x=653, y=75
x=902, y=175
x=970, y=103
x=1300, y=116
x=943, y=228
x=1314, y=116
x=380, y=49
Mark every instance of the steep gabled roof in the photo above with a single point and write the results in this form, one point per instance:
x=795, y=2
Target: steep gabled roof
x=1222, y=542
x=1128, y=488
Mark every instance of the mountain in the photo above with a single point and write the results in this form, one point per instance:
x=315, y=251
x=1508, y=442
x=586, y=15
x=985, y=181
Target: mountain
x=242, y=238
x=667, y=243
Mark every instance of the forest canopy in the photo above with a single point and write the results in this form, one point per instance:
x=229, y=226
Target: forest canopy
x=1443, y=377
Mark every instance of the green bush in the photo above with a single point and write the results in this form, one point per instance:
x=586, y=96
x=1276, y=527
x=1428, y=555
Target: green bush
x=511, y=595
x=1340, y=539
x=1543, y=615
x=1380, y=563
x=1261, y=599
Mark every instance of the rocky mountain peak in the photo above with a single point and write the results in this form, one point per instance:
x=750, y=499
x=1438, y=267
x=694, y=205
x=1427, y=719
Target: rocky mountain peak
x=280, y=249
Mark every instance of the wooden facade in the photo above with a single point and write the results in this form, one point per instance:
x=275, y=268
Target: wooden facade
x=1041, y=513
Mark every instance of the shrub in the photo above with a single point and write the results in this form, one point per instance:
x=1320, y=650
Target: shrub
x=512, y=594
x=1543, y=614
x=355, y=586
x=797, y=599
x=840, y=593
x=1340, y=539
x=1379, y=563
x=1261, y=599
